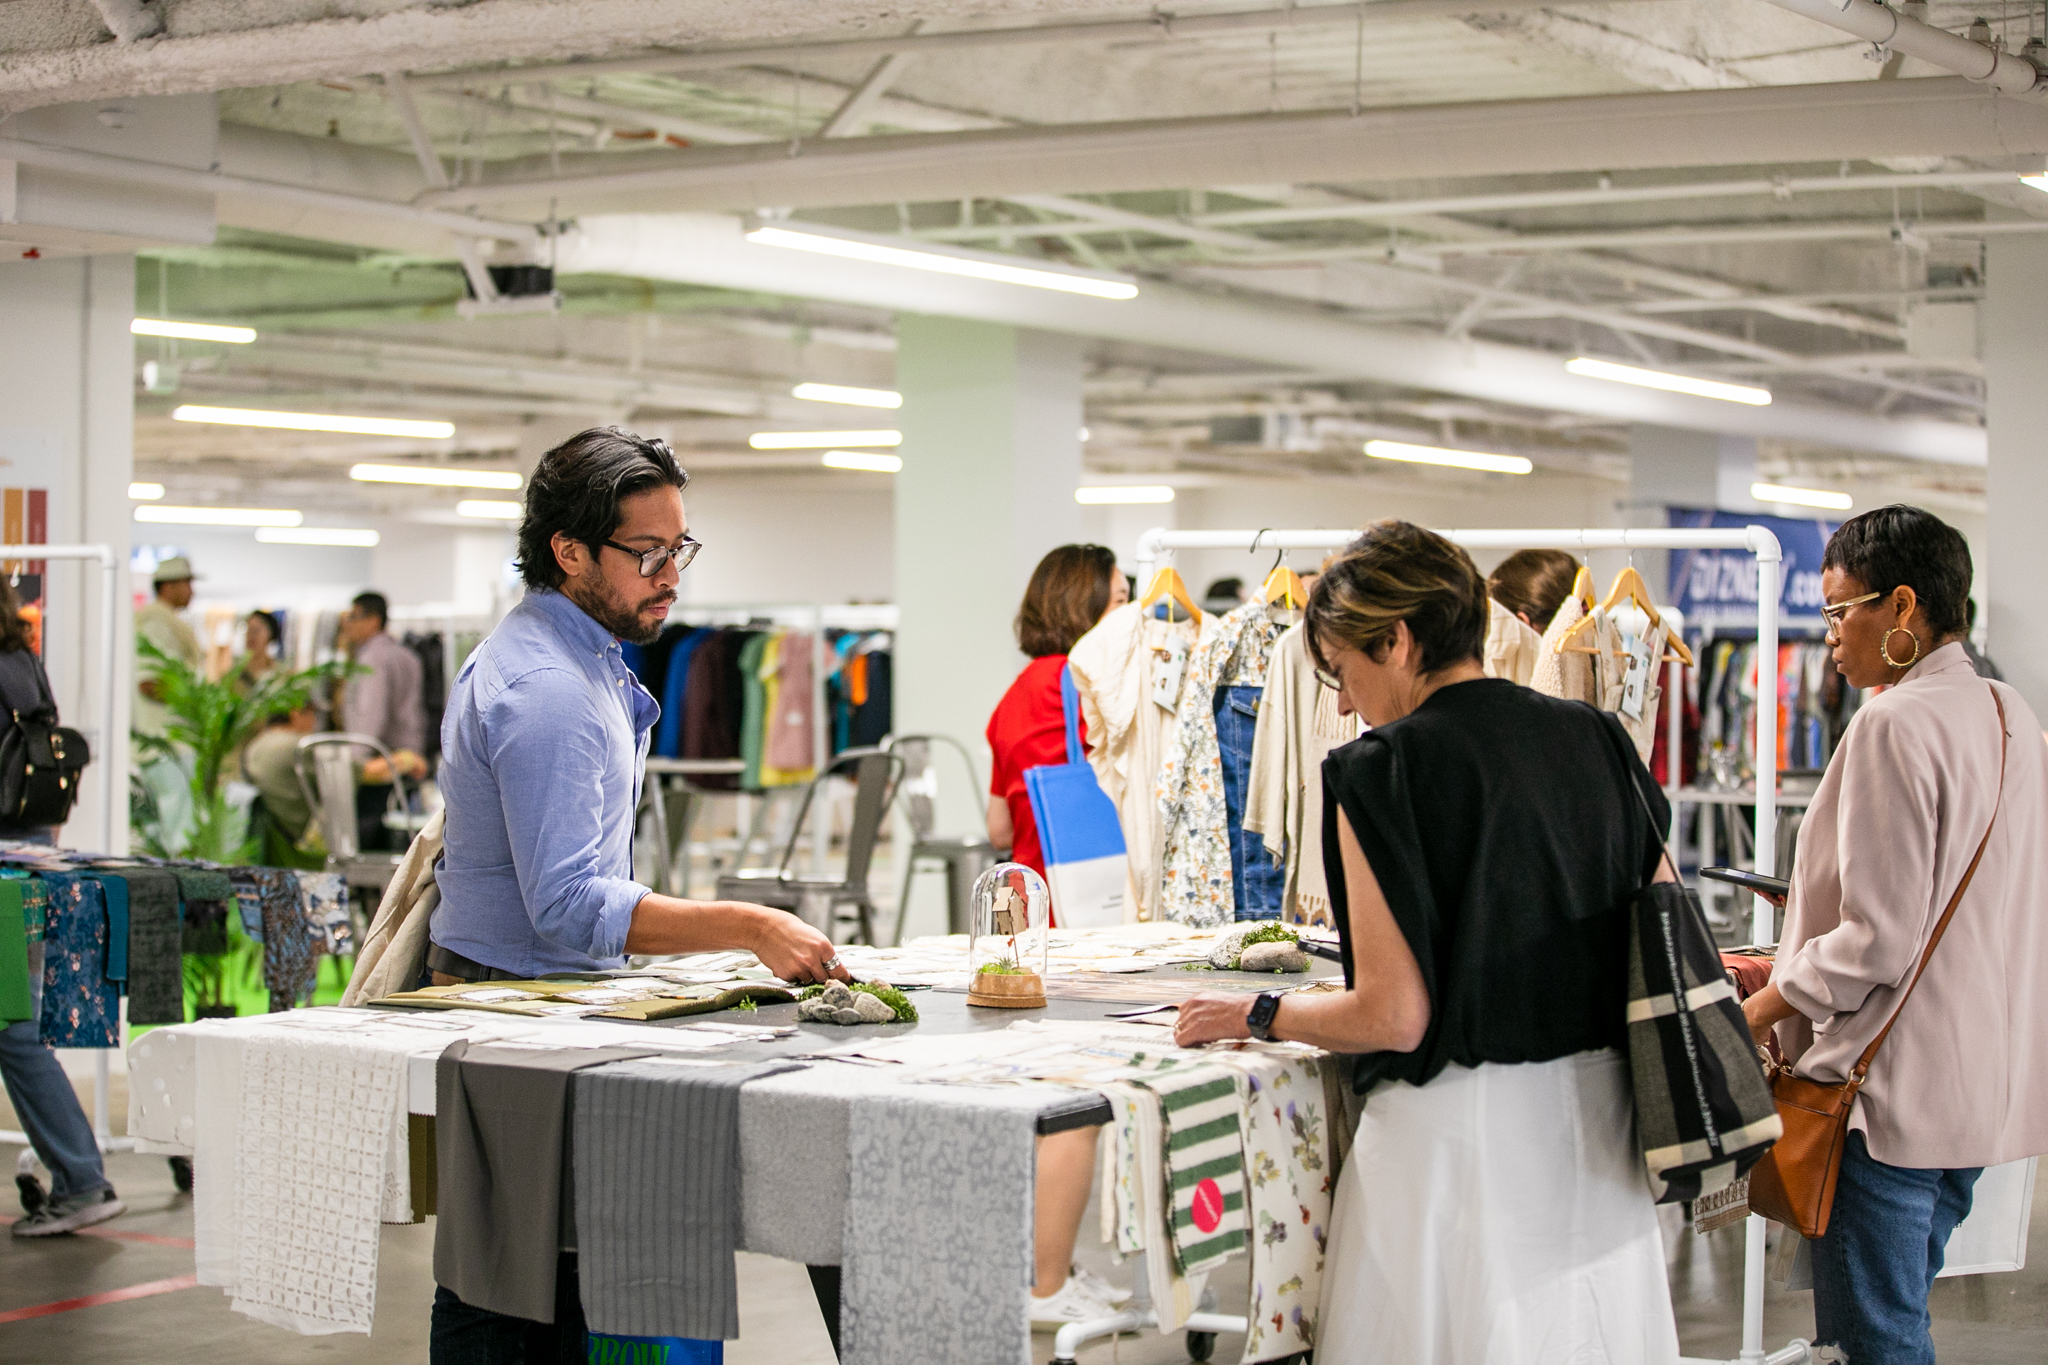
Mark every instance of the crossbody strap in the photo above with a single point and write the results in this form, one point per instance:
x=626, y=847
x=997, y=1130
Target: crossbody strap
x=1941, y=926
x=1070, y=702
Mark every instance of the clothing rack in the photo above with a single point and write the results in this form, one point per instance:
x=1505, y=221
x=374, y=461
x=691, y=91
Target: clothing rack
x=1758, y=541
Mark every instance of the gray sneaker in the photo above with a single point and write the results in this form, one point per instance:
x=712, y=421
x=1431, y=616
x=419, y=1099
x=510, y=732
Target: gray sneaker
x=80, y=1211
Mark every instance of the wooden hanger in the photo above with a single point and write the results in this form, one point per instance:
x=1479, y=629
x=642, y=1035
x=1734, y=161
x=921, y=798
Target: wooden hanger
x=1628, y=586
x=1284, y=588
x=1167, y=584
x=1582, y=588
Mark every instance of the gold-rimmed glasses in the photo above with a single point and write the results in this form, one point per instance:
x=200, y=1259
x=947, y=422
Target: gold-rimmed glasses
x=1833, y=612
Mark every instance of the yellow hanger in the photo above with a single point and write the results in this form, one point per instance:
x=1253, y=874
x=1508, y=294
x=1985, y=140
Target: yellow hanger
x=1167, y=584
x=1284, y=588
x=1582, y=588
x=1628, y=586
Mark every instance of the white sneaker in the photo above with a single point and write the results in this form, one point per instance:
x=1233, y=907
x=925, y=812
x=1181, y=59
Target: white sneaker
x=1073, y=1303
x=1100, y=1287
x=73, y=1214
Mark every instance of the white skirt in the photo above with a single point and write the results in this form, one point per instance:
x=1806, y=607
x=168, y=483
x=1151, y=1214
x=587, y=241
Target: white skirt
x=1498, y=1216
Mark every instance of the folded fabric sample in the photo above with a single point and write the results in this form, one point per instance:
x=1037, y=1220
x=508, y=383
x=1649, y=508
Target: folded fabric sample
x=595, y=999
x=16, y=1001
x=319, y=1161
x=156, y=979
x=115, y=890
x=938, y=1261
x=657, y=1158
x=1204, y=1163
x=500, y=1128
x=81, y=1008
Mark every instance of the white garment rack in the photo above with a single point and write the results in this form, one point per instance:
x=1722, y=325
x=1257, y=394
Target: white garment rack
x=1755, y=540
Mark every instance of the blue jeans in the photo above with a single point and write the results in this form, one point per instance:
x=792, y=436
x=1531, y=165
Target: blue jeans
x=1258, y=884
x=43, y=1098
x=1885, y=1243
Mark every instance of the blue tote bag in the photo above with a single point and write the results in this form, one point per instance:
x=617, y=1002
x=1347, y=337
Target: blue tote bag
x=1085, y=863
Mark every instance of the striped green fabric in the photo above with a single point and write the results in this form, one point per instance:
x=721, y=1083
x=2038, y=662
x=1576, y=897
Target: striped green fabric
x=1204, y=1163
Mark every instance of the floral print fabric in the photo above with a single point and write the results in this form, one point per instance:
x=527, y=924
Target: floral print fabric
x=81, y=1008
x=325, y=895
x=1196, y=886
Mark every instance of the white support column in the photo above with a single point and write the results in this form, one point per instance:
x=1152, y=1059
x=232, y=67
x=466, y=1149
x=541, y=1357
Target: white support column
x=991, y=450
x=2015, y=347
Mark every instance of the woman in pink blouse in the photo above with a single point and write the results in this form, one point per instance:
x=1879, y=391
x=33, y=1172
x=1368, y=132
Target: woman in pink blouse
x=1962, y=1081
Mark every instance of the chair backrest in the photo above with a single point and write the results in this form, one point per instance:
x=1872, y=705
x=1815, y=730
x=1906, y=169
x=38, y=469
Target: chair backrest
x=918, y=790
x=876, y=776
x=331, y=793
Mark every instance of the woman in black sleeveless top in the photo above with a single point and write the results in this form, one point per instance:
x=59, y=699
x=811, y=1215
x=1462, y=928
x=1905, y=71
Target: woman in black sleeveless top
x=1485, y=843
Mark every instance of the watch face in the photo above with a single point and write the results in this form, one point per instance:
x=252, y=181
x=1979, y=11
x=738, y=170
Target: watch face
x=1262, y=1012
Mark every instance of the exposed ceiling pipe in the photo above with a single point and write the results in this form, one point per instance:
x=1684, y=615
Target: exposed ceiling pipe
x=1757, y=126
x=709, y=250
x=1157, y=28
x=2003, y=71
x=101, y=166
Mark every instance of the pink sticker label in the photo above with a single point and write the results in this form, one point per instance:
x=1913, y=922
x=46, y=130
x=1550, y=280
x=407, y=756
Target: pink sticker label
x=1208, y=1206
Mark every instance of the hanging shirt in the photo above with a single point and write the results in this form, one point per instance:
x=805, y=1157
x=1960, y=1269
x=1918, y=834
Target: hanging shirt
x=1028, y=730
x=546, y=733
x=1299, y=724
x=1512, y=645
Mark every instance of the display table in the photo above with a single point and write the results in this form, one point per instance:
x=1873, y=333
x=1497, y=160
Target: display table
x=809, y=1177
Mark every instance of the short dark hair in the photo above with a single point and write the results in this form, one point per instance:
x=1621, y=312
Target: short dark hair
x=270, y=622
x=1068, y=593
x=1398, y=572
x=1534, y=583
x=370, y=604
x=1901, y=546
x=577, y=489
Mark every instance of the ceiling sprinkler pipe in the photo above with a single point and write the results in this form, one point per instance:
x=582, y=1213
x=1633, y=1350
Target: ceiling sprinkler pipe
x=1980, y=62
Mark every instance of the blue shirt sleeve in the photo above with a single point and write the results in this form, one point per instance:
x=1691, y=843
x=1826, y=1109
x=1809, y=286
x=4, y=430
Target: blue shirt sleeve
x=549, y=752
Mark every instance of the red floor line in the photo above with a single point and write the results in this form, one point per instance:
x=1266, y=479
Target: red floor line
x=133, y=1291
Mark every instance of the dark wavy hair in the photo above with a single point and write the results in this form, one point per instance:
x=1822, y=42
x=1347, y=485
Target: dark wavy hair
x=13, y=630
x=577, y=489
x=1398, y=572
x=1068, y=593
x=1896, y=546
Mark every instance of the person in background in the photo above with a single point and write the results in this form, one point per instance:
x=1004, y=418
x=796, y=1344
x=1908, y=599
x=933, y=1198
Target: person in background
x=1224, y=596
x=261, y=638
x=1485, y=845
x=37, y=1087
x=1894, y=828
x=269, y=765
x=1979, y=660
x=1072, y=588
x=161, y=625
x=387, y=703
x=1533, y=585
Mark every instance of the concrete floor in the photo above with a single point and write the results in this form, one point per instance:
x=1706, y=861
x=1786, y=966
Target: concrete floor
x=1980, y=1320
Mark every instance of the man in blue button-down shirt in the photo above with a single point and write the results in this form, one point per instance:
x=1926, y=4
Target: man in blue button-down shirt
x=546, y=733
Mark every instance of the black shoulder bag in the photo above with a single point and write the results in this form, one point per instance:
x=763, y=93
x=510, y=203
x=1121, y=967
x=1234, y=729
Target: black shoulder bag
x=40, y=760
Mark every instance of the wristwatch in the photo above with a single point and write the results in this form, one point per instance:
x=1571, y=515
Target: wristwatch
x=1260, y=1020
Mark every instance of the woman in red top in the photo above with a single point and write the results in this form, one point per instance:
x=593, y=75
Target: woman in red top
x=1072, y=588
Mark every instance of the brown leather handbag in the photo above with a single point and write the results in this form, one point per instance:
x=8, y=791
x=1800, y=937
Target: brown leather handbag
x=1794, y=1184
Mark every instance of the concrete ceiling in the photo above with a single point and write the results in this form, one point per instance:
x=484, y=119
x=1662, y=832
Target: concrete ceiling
x=1544, y=180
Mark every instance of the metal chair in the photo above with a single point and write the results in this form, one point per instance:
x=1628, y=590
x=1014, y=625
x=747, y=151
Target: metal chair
x=875, y=773
x=962, y=857
x=331, y=795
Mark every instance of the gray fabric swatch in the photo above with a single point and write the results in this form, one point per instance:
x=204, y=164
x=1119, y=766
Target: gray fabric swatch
x=500, y=1127
x=658, y=1197
x=156, y=976
x=939, y=1227
x=793, y=1159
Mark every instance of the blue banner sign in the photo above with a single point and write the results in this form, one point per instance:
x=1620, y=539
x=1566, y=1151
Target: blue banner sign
x=1718, y=587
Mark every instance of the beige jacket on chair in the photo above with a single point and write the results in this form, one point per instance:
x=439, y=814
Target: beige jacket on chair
x=394, y=952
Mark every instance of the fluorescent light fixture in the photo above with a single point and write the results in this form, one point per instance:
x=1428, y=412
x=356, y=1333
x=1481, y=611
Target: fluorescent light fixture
x=316, y=535
x=846, y=393
x=145, y=492
x=313, y=421
x=1802, y=497
x=1113, y=494
x=221, y=516
x=822, y=440
x=1456, y=459
x=979, y=265
x=2035, y=182
x=191, y=331
x=861, y=459
x=440, y=478
x=1673, y=383
x=489, y=508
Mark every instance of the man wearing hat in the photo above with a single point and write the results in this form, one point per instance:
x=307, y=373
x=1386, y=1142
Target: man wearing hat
x=160, y=624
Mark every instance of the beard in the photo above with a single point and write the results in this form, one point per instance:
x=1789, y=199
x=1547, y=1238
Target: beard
x=616, y=613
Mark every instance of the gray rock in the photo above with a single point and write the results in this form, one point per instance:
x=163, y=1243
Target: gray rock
x=1272, y=957
x=1223, y=957
x=872, y=1010
x=847, y=1016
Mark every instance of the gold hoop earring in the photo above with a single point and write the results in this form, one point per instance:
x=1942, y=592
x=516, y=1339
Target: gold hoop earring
x=1884, y=647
